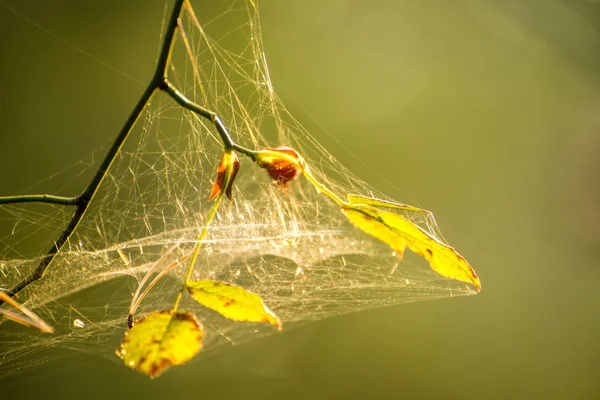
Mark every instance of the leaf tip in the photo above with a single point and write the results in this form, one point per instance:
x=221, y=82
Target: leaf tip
x=477, y=284
x=273, y=319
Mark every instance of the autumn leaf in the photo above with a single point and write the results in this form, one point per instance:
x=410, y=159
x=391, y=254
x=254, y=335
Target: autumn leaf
x=283, y=164
x=398, y=233
x=232, y=302
x=226, y=172
x=160, y=340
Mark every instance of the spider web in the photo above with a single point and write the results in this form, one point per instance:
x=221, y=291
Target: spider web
x=295, y=249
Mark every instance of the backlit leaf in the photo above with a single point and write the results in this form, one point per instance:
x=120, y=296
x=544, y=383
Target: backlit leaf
x=232, y=302
x=160, y=340
x=398, y=232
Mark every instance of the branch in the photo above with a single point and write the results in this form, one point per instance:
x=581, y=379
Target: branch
x=84, y=199
x=41, y=198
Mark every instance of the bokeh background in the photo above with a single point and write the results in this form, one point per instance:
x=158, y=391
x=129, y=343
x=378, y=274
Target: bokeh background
x=484, y=111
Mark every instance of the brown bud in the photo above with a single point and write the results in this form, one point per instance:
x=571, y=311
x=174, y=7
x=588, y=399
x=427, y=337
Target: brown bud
x=283, y=164
x=226, y=172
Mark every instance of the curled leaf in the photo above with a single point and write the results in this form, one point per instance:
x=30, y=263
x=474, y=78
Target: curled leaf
x=398, y=233
x=160, y=340
x=232, y=302
x=226, y=172
x=283, y=164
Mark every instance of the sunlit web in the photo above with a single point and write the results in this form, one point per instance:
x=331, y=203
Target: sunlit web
x=296, y=250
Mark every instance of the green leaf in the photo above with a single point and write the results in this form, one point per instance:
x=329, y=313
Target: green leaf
x=232, y=302
x=398, y=232
x=160, y=340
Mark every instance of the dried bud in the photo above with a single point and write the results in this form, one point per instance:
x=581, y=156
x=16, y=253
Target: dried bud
x=283, y=164
x=226, y=172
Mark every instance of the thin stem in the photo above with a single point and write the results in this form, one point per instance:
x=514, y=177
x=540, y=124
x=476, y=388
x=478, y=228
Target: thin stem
x=183, y=101
x=250, y=153
x=209, y=219
x=323, y=189
x=84, y=200
x=41, y=198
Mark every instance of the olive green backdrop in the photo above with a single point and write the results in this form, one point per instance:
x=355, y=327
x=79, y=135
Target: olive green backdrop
x=486, y=112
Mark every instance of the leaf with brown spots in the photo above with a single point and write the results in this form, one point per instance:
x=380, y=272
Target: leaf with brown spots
x=160, y=340
x=398, y=233
x=232, y=302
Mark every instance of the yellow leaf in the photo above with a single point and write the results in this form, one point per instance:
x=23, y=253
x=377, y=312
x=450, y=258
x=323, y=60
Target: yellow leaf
x=398, y=232
x=232, y=302
x=160, y=340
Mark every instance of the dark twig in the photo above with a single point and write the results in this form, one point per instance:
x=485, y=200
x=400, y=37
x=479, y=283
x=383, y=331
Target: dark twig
x=41, y=198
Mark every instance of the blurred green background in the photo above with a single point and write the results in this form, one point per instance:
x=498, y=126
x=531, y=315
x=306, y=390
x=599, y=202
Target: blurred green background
x=486, y=112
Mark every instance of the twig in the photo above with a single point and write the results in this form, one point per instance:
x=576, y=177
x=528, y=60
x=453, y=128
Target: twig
x=41, y=198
